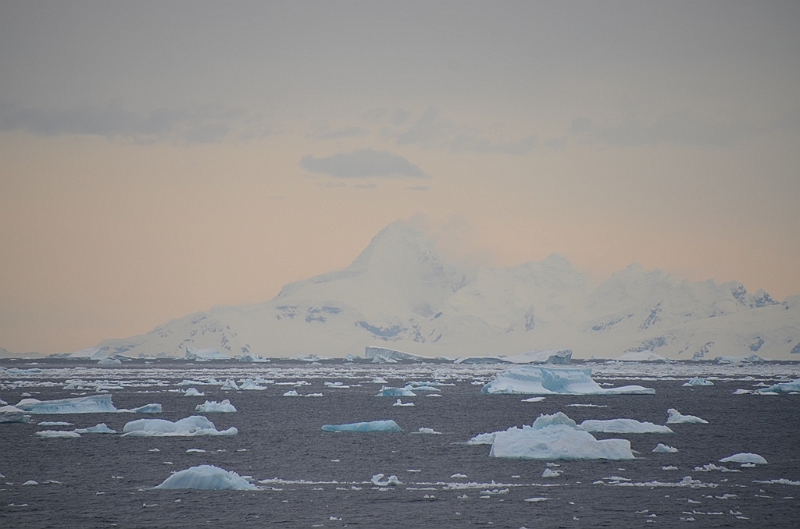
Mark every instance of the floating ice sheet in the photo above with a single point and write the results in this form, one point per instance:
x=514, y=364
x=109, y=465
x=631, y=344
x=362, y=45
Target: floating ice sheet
x=530, y=380
x=190, y=426
x=623, y=426
x=371, y=426
x=697, y=381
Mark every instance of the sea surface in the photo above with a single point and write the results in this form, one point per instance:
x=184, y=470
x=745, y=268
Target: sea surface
x=311, y=478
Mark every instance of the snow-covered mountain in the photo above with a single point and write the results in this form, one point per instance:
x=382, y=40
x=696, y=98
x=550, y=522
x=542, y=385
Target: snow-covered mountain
x=400, y=293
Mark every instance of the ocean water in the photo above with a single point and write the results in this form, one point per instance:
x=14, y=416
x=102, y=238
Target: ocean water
x=310, y=478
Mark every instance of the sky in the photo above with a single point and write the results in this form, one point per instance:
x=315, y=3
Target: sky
x=158, y=158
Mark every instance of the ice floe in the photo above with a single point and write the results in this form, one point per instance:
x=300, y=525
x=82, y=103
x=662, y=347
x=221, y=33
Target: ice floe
x=744, y=457
x=89, y=404
x=392, y=481
x=213, y=406
x=697, y=381
x=99, y=428
x=13, y=414
x=661, y=448
x=549, y=473
x=189, y=426
x=780, y=481
x=623, y=426
x=429, y=431
x=371, y=426
x=783, y=387
x=401, y=403
x=395, y=392
x=57, y=434
x=192, y=392
x=206, y=477
x=531, y=380
x=556, y=437
x=675, y=417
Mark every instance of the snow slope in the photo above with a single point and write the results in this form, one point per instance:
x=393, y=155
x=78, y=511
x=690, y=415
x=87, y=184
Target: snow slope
x=400, y=294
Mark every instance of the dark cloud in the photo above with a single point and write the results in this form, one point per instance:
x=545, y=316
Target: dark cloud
x=364, y=163
x=200, y=124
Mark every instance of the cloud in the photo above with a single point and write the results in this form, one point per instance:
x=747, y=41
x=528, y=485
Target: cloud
x=364, y=163
x=418, y=188
x=346, y=132
x=465, y=142
x=197, y=124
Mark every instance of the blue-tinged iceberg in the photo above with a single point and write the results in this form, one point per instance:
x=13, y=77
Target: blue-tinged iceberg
x=783, y=387
x=556, y=437
x=675, y=417
x=371, y=426
x=90, y=404
x=190, y=426
x=532, y=380
x=206, y=477
x=213, y=406
x=396, y=392
x=623, y=426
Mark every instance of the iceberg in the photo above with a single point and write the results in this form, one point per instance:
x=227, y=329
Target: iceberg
x=675, y=417
x=251, y=384
x=13, y=414
x=744, y=457
x=206, y=477
x=623, y=426
x=664, y=449
x=533, y=380
x=90, y=404
x=100, y=428
x=697, y=381
x=190, y=426
x=192, y=392
x=57, y=434
x=399, y=402
x=371, y=426
x=783, y=387
x=556, y=437
x=147, y=408
x=392, y=480
x=291, y=393
x=429, y=431
x=395, y=392
x=215, y=407
x=229, y=385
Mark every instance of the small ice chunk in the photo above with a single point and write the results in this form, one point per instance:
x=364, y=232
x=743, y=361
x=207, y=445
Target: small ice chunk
x=428, y=431
x=291, y=393
x=371, y=426
x=392, y=480
x=535, y=499
x=744, y=457
x=669, y=467
x=551, y=473
x=250, y=384
x=664, y=449
x=401, y=403
x=229, y=385
x=675, y=417
x=458, y=475
x=148, y=408
x=783, y=387
x=533, y=399
x=206, y=477
x=192, y=392
x=195, y=451
x=697, y=381
x=395, y=392
x=30, y=482
x=623, y=426
x=57, y=434
x=215, y=407
x=100, y=428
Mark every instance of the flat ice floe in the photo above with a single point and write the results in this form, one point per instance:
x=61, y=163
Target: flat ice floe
x=57, y=434
x=675, y=417
x=531, y=380
x=90, y=404
x=215, y=407
x=190, y=426
x=371, y=426
x=744, y=457
x=556, y=437
x=623, y=426
x=206, y=477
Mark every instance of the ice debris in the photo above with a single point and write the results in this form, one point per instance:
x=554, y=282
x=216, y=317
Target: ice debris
x=371, y=426
x=675, y=417
x=661, y=448
x=99, y=428
x=401, y=403
x=395, y=392
x=392, y=480
x=697, y=381
x=215, y=407
x=206, y=477
x=623, y=426
x=551, y=473
x=190, y=426
x=556, y=437
x=430, y=431
x=192, y=392
x=530, y=380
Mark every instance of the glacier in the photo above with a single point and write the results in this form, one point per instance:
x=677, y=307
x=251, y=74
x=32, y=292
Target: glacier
x=675, y=417
x=206, y=477
x=623, y=426
x=531, y=380
x=189, y=426
x=215, y=407
x=556, y=436
x=371, y=426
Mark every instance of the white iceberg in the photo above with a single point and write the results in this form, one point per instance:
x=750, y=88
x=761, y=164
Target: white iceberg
x=229, y=385
x=57, y=434
x=548, y=473
x=251, y=384
x=533, y=380
x=395, y=392
x=556, y=437
x=206, y=477
x=371, y=426
x=192, y=392
x=697, y=381
x=623, y=426
x=99, y=428
x=13, y=414
x=147, y=408
x=190, y=426
x=392, y=480
x=675, y=417
x=401, y=403
x=744, y=458
x=664, y=449
x=429, y=431
x=291, y=393
x=215, y=407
